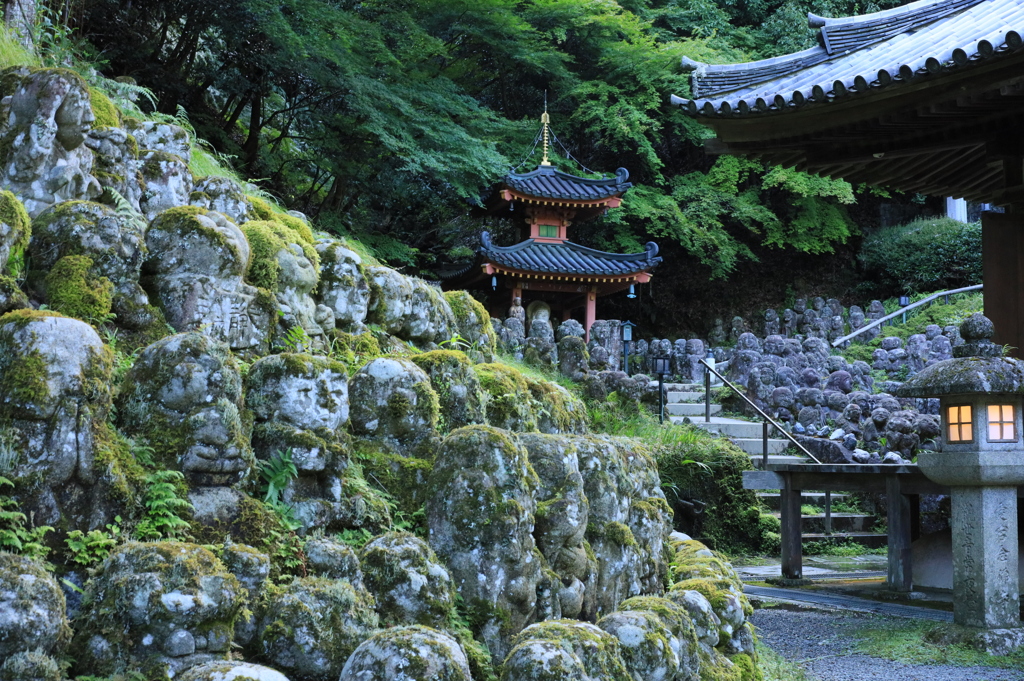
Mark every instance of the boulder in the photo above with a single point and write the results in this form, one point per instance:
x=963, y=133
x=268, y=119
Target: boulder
x=194, y=274
x=413, y=653
x=48, y=114
x=313, y=624
x=162, y=607
x=480, y=511
x=408, y=582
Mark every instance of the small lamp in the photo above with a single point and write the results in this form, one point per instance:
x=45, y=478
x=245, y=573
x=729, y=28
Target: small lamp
x=627, y=336
x=494, y=282
x=662, y=366
x=632, y=292
x=904, y=301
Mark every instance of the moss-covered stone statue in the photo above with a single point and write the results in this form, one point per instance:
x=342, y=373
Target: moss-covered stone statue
x=565, y=649
x=458, y=389
x=343, y=286
x=158, y=607
x=413, y=653
x=393, y=401
x=225, y=196
x=110, y=247
x=42, y=152
x=194, y=271
x=166, y=182
x=480, y=511
x=183, y=398
x=68, y=469
x=34, y=629
x=408, y=582
x=474, y=325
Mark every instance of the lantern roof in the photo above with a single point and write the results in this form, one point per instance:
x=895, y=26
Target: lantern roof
x=568, y=258
x=977, y=367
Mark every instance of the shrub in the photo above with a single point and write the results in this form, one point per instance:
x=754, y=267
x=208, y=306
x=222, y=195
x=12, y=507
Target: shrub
x=925, y=255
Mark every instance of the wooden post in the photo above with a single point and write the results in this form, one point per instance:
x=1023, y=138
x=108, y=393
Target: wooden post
x=792, y=536
x=898, y=517
x=1002, y=262
x=591, y=314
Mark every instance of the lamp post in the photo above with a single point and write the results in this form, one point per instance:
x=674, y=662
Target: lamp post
x=627, y=335
x=662, y=366
x=904, y=301
x=982, y=461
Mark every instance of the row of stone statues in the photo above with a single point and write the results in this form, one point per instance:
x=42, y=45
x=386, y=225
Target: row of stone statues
x=821, y=318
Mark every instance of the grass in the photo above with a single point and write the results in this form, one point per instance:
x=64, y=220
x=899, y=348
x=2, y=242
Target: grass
x=13, y=53
x=777, y=668
x=907, y=641
x=837, y=547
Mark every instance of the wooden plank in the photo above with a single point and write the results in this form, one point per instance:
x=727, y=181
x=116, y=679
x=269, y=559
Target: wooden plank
x=792, y=539
x=898, y=521
x=762, y=480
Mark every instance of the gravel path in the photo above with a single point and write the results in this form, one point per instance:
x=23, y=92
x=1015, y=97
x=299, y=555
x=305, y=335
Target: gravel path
x=823, y=642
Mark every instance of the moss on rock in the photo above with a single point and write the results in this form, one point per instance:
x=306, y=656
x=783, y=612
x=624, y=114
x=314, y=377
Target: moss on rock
x=508, y=401
x=267, y=239
x=73, y=290
x=106, y=113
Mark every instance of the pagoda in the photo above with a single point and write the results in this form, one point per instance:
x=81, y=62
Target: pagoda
x=546, y=266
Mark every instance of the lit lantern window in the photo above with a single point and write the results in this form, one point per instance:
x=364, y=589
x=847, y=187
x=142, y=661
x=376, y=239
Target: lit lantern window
x=958, y=424
x=1000, y=423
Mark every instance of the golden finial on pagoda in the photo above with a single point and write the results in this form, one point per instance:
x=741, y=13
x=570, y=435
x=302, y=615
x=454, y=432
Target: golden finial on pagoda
x=545, y=119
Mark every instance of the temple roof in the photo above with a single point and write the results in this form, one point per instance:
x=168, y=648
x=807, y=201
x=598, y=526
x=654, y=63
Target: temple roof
x=568, y=258
x=861, y=54
x=550, y=183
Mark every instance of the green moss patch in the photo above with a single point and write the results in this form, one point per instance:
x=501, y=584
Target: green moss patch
x=14, y=215
x=107, y=115
x=72, y=289
x=267, y=239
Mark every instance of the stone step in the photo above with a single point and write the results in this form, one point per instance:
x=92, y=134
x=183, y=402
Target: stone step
x=677, y=396
x=773, y=499
x=841, y=523
x=774, y=459
x=754, y=446
x=732, y=428
x=871, y=540
x=684, y=409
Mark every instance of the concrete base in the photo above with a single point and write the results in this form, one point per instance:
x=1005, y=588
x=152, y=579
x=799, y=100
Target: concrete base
x=991, y=641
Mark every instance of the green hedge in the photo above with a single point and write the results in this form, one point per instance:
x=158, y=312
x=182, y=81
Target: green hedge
x=925, y=255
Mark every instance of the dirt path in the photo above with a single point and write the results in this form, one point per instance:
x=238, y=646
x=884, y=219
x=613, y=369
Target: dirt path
x=823, y=642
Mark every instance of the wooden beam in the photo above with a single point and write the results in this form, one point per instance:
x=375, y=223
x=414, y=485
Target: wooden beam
x=792, y=536
x=898, y=529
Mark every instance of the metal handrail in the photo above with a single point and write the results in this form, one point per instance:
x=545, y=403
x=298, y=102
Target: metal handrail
x=767, y=419
x=903, y=311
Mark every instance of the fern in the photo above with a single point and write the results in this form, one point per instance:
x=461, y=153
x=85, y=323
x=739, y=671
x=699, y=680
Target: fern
x=123, y=208
x=162, y=504
x=15, y=535
x=90, y=548
x=277, y=472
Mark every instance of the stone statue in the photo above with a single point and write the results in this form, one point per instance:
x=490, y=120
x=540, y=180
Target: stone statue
x=517, y=311
x=771, y=322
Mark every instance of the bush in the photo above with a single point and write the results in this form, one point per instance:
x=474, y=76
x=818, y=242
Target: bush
x=925, y=255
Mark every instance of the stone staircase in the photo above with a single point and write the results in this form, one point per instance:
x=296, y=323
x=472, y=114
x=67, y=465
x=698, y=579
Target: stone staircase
x=856, y=527
x=684, y=403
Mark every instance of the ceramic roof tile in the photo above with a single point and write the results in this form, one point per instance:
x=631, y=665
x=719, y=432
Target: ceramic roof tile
x=568, y=258
x=550, y=183
x=933, y=37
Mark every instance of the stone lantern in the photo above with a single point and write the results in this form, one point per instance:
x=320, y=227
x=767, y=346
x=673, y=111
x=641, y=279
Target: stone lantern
x=982, y=461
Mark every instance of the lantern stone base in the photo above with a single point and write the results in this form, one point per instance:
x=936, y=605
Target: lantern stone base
x=991, y=641
x=985, y=590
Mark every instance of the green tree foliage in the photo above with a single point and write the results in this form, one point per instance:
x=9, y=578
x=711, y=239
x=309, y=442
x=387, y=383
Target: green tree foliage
x=388, y=118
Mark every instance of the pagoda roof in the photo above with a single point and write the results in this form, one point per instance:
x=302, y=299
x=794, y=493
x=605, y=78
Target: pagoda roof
x=568, y=258
x=860, y=54
x=548, y=182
